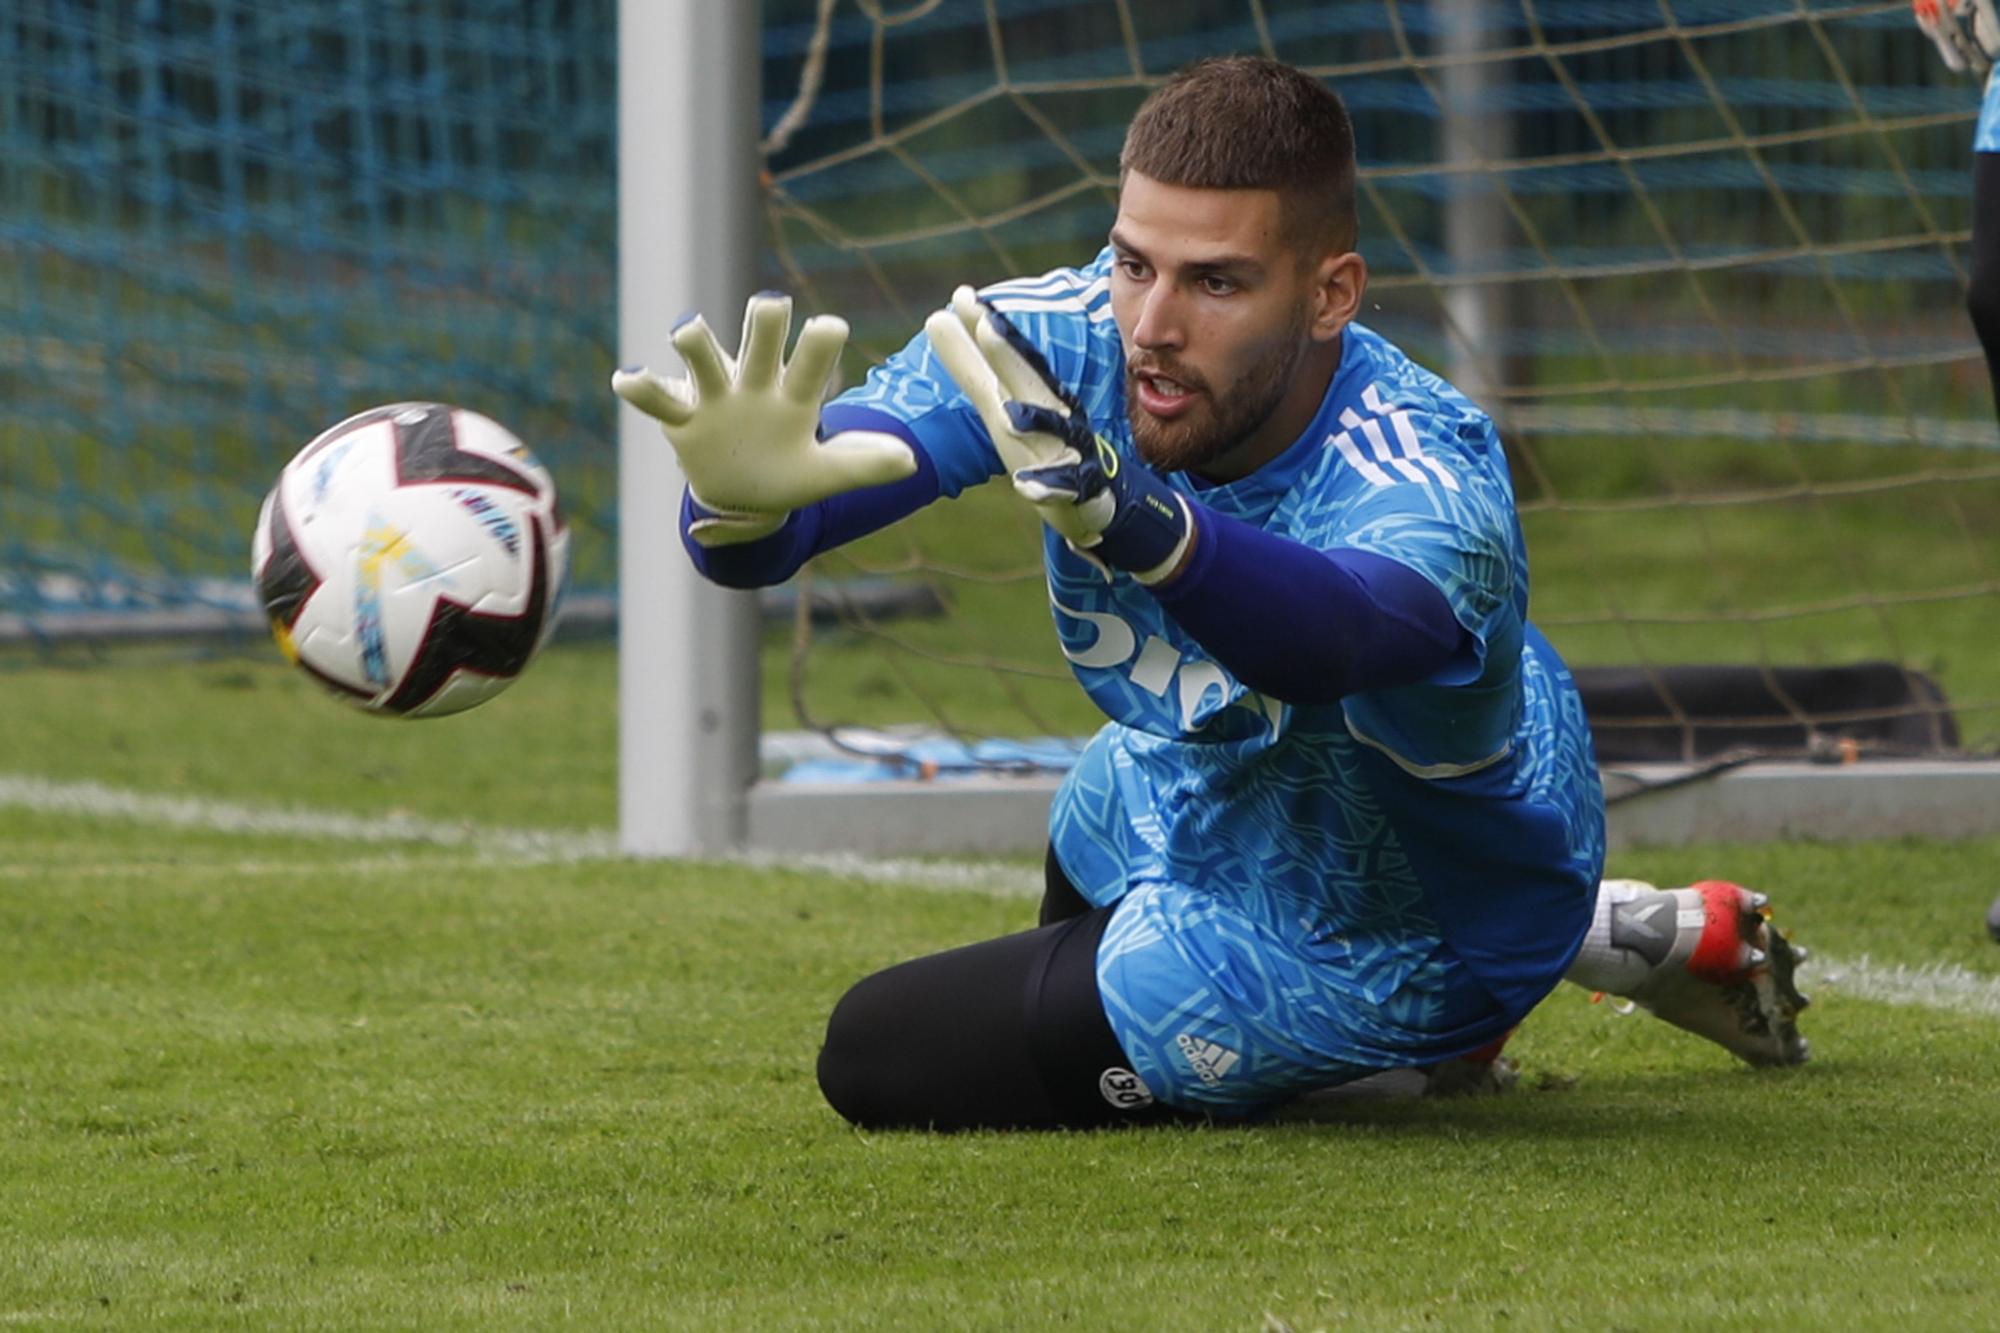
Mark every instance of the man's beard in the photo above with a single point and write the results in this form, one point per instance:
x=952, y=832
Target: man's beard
x=1217, y=423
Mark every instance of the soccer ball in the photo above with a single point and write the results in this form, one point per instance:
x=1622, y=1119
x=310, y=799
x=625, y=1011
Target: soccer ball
x=412, y=559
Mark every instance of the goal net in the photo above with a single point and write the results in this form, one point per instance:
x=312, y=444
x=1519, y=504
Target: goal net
x=1705, y=259
x=228, y=225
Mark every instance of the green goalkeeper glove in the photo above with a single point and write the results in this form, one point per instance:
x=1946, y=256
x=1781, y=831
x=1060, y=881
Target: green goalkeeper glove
x=1967, y=32
x=1113, y=512
x=746, y=430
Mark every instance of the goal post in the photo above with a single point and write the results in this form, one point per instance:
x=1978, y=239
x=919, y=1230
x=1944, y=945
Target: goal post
x=688, y=232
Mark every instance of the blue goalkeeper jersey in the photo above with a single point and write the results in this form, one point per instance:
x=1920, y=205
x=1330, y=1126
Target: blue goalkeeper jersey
x=1465, y=809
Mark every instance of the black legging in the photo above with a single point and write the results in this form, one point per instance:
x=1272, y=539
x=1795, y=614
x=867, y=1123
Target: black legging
x=1004, y=1034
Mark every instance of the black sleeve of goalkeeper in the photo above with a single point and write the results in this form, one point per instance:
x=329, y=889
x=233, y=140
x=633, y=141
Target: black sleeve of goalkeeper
x=1982, y=300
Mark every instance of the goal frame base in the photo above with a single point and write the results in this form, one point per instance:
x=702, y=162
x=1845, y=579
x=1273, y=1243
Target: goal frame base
x=1653, y=805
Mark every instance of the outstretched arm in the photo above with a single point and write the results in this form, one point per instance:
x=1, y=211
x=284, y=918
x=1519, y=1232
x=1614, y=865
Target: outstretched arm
x=1309, y=626
x=1287, y=620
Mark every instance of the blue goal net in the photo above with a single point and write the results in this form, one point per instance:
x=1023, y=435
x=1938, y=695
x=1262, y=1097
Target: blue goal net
x=1706, y=260
x=229, y=225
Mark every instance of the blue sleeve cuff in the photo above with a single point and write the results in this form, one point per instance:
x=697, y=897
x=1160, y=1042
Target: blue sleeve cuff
x=759, y=564
x=844, y=518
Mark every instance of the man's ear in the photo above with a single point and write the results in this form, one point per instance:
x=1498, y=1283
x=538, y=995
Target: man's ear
x=1339, y=283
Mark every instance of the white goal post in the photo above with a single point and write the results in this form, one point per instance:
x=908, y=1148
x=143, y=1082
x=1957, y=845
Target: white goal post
x=687, y=240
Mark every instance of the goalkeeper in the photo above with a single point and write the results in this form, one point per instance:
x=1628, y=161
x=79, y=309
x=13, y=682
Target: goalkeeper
x=1344, y=816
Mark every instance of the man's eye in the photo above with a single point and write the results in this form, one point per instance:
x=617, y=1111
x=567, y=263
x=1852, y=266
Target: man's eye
x=1132, y=268
x=1215, y=286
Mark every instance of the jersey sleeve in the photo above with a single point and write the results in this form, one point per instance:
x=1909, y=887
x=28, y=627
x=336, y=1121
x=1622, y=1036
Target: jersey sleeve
x=1447, y=513
x=914, y=388
x=1063, y=313
x=1430, y=510
x=1352, y=620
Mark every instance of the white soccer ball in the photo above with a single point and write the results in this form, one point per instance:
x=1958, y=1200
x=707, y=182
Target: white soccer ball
x=412, y=558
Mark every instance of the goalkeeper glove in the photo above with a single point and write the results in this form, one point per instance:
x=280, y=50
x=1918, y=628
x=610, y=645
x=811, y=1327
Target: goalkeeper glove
x=1112, y=511
x=746, y=430
x=1967, y=32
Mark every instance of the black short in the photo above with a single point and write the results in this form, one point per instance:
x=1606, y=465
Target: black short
x=1004, y=1034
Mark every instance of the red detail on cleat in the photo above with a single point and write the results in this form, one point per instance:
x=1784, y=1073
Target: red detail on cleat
x=1718, y=955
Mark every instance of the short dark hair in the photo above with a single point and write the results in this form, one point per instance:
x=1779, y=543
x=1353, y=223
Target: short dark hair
x=1247, y=123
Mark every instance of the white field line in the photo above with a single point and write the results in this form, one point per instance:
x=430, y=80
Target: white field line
x=520, y=846
x=238, y=868
x=94, y=800
x=1945, y=986
x=994, y=877
x=1940, y=986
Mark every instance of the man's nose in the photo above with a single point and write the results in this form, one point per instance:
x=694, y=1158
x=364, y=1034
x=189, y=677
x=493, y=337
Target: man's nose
x=1159, y=323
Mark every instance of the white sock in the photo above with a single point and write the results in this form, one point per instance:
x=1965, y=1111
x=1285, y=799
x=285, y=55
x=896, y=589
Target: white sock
x=1605, y=965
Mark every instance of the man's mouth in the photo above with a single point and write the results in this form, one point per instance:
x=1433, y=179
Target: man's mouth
x=1162, y=395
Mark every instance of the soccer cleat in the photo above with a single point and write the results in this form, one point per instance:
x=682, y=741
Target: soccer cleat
x=1725, y=975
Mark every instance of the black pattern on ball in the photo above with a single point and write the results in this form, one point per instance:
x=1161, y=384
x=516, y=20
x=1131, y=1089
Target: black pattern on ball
x=427, y=450
x=459, y=638
x=286, y=581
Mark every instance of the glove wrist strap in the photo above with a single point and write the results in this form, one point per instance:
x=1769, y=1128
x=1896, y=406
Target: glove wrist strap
x=1170, y=566
x=701, y=508
x=1148, y=532
x=712, y=526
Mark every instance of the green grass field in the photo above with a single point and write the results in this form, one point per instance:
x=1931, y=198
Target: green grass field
x=271, y=1080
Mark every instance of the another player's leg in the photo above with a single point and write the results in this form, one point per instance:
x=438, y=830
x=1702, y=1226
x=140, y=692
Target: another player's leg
x=1982, y=302
x=1004, y=1034
x=1705, y=959
x=1982, y=297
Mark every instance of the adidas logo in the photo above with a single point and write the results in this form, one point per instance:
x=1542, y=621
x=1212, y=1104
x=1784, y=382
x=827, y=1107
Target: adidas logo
x=1209, y=1060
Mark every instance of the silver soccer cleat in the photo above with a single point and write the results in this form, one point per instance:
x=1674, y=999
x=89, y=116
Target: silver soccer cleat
x=1726, y=974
